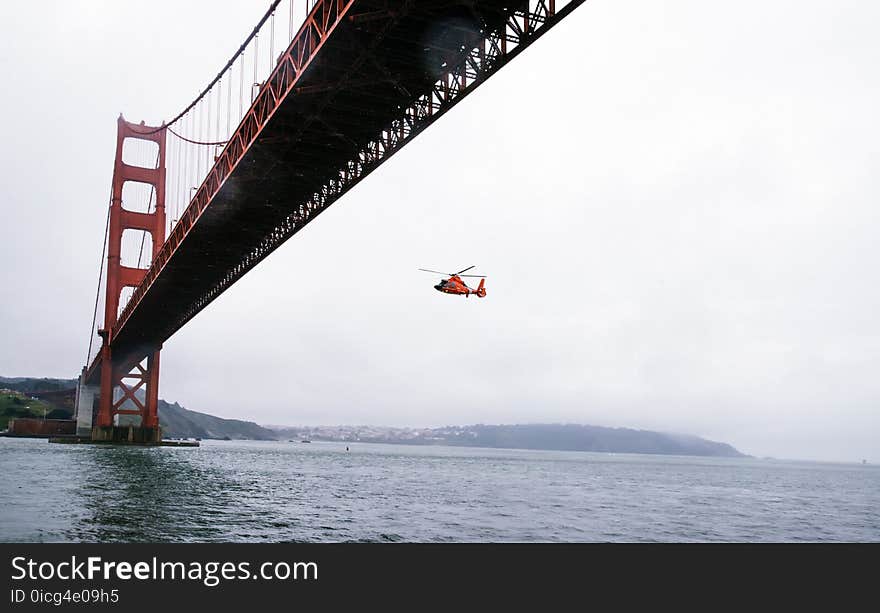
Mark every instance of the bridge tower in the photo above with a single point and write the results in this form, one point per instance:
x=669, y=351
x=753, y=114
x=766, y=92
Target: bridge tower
x=128, y=396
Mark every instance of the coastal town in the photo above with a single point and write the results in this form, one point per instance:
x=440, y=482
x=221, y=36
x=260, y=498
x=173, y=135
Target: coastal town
x=376, y=434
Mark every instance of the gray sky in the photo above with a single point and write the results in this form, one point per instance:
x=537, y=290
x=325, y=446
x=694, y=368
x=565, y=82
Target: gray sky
x=676, y=205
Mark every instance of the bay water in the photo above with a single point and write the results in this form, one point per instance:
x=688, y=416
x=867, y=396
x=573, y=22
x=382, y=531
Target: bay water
x=327, y=491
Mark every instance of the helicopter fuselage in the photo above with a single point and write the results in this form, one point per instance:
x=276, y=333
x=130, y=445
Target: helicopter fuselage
x=454, y=285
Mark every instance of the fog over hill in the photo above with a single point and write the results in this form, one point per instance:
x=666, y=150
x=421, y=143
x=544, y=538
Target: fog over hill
x=559, y=437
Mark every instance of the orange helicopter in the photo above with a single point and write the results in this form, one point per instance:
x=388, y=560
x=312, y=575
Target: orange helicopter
x=454, y=284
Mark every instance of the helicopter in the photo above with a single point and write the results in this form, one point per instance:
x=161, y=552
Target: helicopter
x=454, y=284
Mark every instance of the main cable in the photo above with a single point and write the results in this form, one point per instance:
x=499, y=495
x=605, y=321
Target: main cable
x=219, y=74
x=100, y=277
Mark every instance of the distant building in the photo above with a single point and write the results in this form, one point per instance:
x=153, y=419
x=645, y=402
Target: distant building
x=29, y=426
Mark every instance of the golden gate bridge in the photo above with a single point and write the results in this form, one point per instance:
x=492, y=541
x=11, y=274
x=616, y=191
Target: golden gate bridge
x=318, y=95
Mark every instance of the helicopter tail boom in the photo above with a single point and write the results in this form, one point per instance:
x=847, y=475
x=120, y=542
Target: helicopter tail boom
x=481, y=290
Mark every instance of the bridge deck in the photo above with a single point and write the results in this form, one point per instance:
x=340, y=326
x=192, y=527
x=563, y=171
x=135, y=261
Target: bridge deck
x=356, y=84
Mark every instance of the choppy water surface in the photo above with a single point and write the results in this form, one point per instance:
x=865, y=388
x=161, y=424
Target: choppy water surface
x=278, y=491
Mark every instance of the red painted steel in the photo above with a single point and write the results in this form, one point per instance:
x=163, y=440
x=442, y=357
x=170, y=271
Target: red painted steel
x=119, y=277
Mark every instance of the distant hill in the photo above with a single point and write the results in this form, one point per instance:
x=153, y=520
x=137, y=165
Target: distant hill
x=559, y=437
x=176, y=421
x=27, y=385
x=576, y=437
x=15, y=404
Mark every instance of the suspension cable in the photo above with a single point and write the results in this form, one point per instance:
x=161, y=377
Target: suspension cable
x=219, y=74
x=100, y=277
x=149, y=207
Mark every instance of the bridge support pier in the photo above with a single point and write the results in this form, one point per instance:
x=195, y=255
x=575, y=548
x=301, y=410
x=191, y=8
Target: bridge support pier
x=129, y=380
x=127, y=434
x=128, y=403
x=86, y=404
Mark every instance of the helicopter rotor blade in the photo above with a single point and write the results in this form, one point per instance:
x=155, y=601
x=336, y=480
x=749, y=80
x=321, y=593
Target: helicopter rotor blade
x=478, y=276
x=435, y=271
x=466, y=269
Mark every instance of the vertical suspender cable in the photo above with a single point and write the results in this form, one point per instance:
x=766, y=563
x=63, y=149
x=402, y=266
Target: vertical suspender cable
x=228, y=104
x=202, y=136
x=149, y=208
x=219, y=98
x=194, y=156
x=184, y=199
x=188, y=167
x=198, y=153
x=205, y=151
x=178, y=165
x=256, y=61
x=193, y=160
x=290, y=34
x=197, y=131
x=272, y=42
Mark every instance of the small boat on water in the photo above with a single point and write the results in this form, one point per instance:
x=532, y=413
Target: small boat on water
x=305, y=440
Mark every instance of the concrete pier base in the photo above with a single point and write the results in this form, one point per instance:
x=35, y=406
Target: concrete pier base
x=126, y=434
x=86, y=403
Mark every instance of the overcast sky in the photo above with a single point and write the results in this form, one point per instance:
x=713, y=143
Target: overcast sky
x=675, y=202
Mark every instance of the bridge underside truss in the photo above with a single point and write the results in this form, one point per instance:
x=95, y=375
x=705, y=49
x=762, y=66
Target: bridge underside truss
x=359, y=81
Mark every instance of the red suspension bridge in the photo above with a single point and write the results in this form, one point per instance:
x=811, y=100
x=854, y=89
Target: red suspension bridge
x=316, y=98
